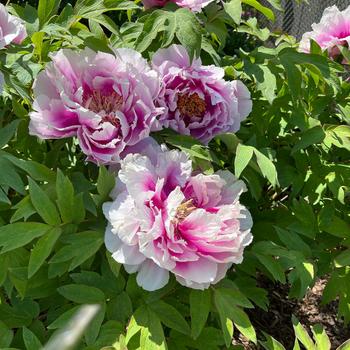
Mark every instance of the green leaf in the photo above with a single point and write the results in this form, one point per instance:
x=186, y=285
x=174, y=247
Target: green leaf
x=7, y=132
x=6, y=335
x=264, y=10
x=302, y=334
x=19, y=234
x=225, y=302
x=94, y=327
x=46, y=9
x=234, y=9
x=105, y=182
x=152, y=336
x=62, y=320
x=271, y=343
x=267, y=168
x=30, y=340
x=200, y=301
x=242, y=322
x=35, y=170
x=159, y=21
x=24, y=210
x=344, y=346
x=343, y=259
x=43, y=204
x=169, y=316
x=224, y=315
x=146, y=321
x=42, y=250
x=243, y=156
x=65, y=197
x=90, y=240
x=10, y=177
x=189, y=31
x=82, y=294
x=310, y=137
x=268, y=84
x=251, y=27
x=189, y=145
x=273, y=266
x=322, y=340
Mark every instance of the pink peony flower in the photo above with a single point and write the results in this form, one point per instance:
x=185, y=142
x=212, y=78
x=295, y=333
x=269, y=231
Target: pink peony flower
x=11, y=28
x=333, y=30
x=106, y=101
x=166, y=219
x=193, y=5
x=197, y=100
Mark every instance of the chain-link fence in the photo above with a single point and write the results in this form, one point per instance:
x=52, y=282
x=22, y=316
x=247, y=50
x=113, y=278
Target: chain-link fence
x=297, y=18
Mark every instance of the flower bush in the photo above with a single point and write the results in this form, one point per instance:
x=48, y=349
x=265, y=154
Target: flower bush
x=161, y=165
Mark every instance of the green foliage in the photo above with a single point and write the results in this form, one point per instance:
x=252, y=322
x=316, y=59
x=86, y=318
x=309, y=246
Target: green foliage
x=292, y=152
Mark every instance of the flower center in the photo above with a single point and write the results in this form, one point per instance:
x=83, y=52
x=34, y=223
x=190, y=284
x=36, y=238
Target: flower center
x=98, y=102
x=184, y=209
x=112, y=119
x=105, y=105
x=191, y=105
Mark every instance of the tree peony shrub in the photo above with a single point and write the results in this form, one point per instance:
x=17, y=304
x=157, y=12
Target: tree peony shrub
x=12, y=30
x=188, y=117
x=105, y=100
x=333, y=30
x=166, y=219
x=197, y=100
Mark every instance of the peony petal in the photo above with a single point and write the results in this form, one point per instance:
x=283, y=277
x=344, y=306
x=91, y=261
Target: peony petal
x=152, y=277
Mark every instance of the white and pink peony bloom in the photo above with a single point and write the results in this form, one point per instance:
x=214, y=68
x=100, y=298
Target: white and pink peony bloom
x=12, y=29
x=197, y=100
x=165, y=219
x=193, y=5
x=106, y=100
x=333, y=30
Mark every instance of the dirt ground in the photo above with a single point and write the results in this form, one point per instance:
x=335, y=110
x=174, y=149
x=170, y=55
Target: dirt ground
x=309, y=311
